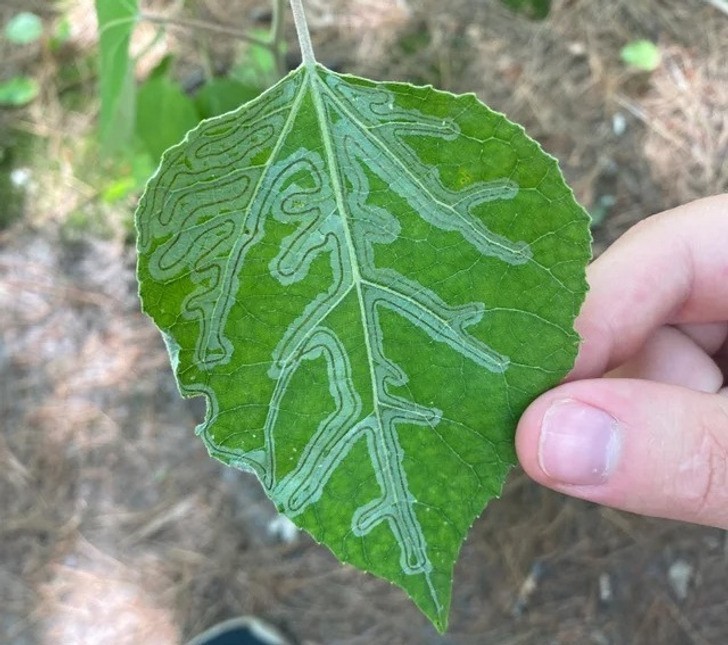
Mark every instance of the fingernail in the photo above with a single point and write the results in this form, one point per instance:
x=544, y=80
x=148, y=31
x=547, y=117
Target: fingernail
x=579, y=444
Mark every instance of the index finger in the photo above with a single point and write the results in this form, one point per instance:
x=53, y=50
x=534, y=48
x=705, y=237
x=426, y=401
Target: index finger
x=670, y=268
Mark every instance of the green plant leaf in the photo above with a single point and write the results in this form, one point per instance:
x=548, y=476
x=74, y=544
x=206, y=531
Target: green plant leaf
x=258, y=65
x=642, y=54
x=61, y=33
x=129, y=176
x=368, y=282
x=221, y=95
x=117, y=19
x=18, y=91
x=536, y=9
x=164, y=114
x=24, y=28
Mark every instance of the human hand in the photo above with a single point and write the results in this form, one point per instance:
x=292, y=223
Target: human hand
x=653, y=437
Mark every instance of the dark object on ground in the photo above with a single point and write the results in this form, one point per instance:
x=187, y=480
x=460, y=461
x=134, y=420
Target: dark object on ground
x=245, y=630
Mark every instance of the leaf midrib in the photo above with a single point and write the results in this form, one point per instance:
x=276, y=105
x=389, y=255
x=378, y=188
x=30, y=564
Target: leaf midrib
x=313, y=79
x=407, y=172
x=416, y=180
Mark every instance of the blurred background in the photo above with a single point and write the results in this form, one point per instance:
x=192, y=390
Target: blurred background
x=115, y=526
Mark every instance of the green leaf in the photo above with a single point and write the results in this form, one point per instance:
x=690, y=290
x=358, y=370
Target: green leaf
x=61, y=33
x=118, y=189
x=18, y=91
x=163, y=69
x=24, y=28
x=536, y=9
x=222, y=95
x=117, y=19
x=368, y=282
x=128, y=177
x=642, y=54
x=258, y=66
x=164, y=115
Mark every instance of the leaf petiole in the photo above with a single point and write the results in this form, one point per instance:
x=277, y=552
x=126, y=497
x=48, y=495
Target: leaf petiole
x=304, y=36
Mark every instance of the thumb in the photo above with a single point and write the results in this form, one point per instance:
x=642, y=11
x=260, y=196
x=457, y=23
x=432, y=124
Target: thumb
x=641, y=446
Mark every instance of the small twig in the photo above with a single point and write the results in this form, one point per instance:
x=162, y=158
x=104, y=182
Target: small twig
x=638, y=113
x=720, y=5
x=681, y=619
x=201, y=24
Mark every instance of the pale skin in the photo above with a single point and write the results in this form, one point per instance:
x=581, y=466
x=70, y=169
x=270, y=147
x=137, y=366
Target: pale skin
x=641, y=422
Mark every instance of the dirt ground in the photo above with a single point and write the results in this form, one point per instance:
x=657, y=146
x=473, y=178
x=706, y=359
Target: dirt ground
x=116, y=527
